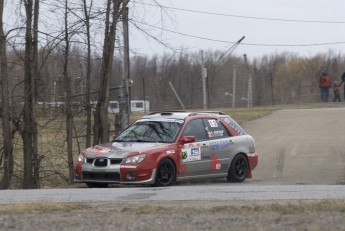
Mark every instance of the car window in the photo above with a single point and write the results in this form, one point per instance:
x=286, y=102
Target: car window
x=234, y=125
x=150, y=131
x=195, y=128
x=215, y=129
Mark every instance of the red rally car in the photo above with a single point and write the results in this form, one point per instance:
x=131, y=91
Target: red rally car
x=164, y=147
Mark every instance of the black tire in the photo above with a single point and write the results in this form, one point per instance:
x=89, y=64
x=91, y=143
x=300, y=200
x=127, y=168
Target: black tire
x=166, y=173
x=96, y=185
x=238, y=169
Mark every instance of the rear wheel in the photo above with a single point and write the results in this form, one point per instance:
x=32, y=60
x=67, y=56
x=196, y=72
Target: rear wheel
x=166, y=173
x=96, y=185
x=238, y=169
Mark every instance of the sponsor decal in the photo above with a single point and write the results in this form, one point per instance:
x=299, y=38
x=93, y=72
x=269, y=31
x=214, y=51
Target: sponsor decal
x=170, y=152
x=215, y=163
x=234, y=126
x=191, y=154
x=184, y=155
x=218, y=166
x=195, y=151
x=182, y=167
x=218, y=133
x=213, y=123
x=216, y=145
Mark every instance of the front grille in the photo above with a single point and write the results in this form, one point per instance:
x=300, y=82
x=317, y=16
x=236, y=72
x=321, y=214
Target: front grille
x=104, y=163
x=101, y=162
x=115, y=161
x=102, y=176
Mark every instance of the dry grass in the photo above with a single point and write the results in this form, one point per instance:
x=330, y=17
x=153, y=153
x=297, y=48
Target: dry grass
x=188, y=207
x=40, y=208
x=179, y=215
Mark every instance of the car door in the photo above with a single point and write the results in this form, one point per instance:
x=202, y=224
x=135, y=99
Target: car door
x=219, y=146
x=195, y=156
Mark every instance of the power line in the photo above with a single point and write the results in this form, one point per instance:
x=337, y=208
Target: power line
x=248, y=44
x=245, y=17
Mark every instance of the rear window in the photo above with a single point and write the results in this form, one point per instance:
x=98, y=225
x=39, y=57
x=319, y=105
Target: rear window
x=234, y=125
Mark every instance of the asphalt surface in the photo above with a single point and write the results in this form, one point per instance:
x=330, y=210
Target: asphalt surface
x=300, y=146
x=301, y=156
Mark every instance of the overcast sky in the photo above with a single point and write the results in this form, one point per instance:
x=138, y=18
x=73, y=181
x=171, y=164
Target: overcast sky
x=269, y=26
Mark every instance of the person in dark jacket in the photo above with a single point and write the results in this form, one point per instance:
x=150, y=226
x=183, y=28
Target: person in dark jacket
x=343, y=80
x=324, y=82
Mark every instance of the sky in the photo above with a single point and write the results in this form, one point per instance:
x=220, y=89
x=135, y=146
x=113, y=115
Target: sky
x=304, y=27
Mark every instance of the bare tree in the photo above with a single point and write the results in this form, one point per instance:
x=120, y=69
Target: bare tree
x=87, y=98
x=113, y=12
x=28, y=130
x=7, y=150
x=67, y=85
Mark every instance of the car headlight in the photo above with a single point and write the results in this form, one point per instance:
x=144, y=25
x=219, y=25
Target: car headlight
x=81, y=158
x=134, y=159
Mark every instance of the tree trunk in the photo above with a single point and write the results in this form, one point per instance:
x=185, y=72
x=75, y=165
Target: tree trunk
x=5, y=112
x=68, y=110
x=88, y=108
x=29, y=124
x=36, y=158
x=101, y=127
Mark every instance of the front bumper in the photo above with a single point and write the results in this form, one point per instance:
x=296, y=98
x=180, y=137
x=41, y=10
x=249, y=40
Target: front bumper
x=114, y=174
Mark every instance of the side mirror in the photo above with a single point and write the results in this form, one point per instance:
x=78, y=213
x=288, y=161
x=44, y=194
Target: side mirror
x=187, y=139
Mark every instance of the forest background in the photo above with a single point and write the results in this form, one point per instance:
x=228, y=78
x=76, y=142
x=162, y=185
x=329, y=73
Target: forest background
x=64, y=61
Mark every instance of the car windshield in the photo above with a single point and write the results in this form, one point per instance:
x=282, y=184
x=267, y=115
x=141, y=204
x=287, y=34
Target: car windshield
x=150, y=131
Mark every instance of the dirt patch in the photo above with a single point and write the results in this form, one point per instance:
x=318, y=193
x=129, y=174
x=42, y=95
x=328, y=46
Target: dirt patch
x=211, y=215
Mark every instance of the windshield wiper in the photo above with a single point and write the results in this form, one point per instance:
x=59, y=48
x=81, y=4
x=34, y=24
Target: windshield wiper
x=122, y=141
x=142, y=141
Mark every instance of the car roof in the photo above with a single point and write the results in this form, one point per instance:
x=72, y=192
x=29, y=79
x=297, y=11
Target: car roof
x=179, y=114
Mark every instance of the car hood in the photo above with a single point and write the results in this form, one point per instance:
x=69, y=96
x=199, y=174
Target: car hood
x=118, y=150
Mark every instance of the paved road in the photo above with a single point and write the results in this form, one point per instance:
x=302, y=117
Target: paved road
x=302, y=156
x=300, y=146
x=206, y=192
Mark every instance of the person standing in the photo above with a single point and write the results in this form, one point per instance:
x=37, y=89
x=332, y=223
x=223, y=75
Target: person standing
x=336, y=91
x=324, y=82
x=343, y=80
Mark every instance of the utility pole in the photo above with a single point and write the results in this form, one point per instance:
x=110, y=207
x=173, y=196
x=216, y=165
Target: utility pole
x=234, y=88
x=250, y=88
x=250, y=92
x=203, y=80
x=144, y=94
x=126, y=75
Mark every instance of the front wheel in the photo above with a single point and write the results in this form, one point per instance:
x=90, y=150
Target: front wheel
x=238, y=169
x=166, y=173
